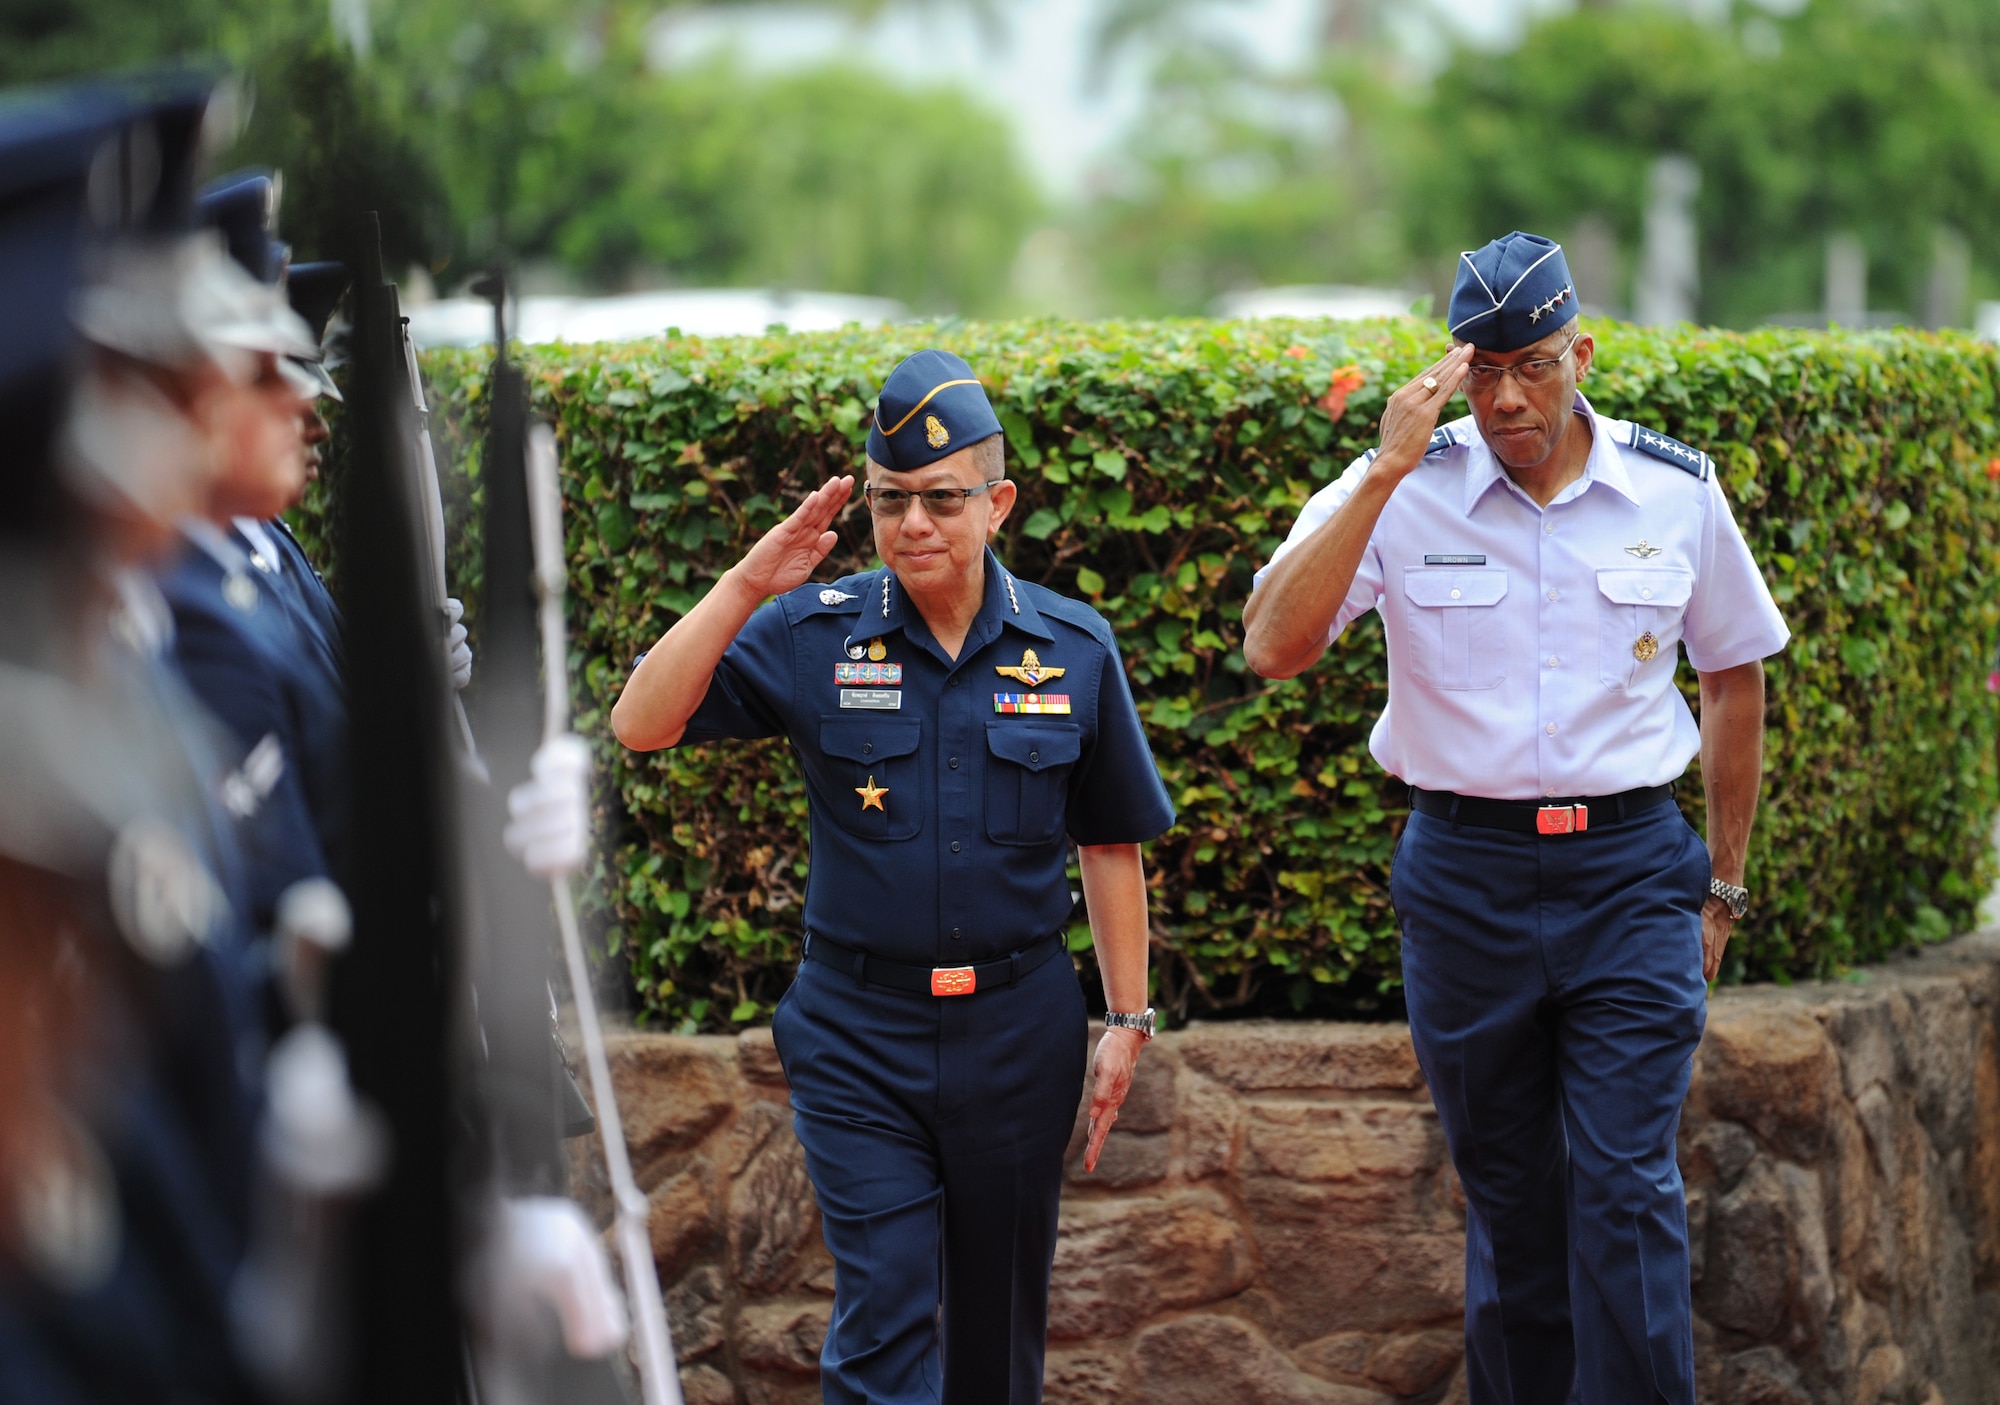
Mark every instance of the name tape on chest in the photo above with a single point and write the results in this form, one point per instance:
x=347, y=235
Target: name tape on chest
x=1042, y=704
x=1446, y=558
x=875, y=699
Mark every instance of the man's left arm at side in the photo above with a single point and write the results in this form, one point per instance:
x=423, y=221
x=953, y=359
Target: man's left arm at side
x=1114, y=895
x=1732, y=769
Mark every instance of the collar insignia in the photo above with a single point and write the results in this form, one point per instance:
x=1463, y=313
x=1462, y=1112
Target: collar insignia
x=1029, y=671
x=830, y=596
x=1644, y=551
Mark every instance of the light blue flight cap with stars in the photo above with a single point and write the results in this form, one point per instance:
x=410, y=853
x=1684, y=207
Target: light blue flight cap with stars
x=1511, y=293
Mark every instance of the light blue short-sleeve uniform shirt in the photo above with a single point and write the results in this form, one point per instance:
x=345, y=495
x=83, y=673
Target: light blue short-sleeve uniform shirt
x=1532, y=650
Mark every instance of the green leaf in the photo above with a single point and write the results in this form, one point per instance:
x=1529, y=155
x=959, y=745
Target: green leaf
x=1089, y=582
x=1896, y=515
x=1109, y=462
x=1042, y=523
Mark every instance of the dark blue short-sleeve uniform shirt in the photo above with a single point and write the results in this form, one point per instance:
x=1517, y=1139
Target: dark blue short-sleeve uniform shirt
x=943, y=793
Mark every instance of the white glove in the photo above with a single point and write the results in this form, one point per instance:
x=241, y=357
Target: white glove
x=549, y=828
x=457, y=653
x=544, y=1251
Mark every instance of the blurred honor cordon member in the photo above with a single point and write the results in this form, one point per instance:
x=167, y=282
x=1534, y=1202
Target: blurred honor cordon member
x=1538, y=567
x=958, y=728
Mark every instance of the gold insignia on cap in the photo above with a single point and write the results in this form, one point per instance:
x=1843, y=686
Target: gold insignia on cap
x=1645, y=647
x=1029, y=671
x=937, y=435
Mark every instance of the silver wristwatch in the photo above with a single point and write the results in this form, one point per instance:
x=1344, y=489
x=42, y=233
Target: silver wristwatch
x=1143, y=1021
x=1737, y=898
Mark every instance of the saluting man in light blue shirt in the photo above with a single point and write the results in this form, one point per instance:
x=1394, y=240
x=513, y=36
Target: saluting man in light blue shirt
x=1538, y=567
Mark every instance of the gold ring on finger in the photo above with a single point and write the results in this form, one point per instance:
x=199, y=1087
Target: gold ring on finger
x=1430, y=382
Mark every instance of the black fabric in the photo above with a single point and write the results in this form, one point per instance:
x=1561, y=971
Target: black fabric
x=1518, y=816
x=899, y=975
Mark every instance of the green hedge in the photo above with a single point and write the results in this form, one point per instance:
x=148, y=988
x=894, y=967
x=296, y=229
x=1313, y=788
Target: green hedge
x=1160, y=464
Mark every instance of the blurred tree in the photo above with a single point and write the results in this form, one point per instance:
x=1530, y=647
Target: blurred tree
x=1874, y=118
x=534, y=130
x=1235, y=177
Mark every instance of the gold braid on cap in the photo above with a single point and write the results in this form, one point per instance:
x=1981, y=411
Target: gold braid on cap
x=891, y=433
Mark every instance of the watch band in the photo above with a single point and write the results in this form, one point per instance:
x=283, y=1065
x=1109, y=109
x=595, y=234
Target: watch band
x=1737, y=898
x=1142, y=1021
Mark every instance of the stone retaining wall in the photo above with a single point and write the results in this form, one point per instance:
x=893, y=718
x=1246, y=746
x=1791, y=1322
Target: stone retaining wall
x=1274, y=1220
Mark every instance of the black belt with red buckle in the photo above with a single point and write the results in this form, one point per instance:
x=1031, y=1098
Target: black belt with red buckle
x=1571, y=814
x=931, y=980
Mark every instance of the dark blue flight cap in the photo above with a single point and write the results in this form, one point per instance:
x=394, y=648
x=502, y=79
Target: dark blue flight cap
x=931, y=406
x=79, y=163
x=315, y=290
x=245, y=208
x=1511, y=293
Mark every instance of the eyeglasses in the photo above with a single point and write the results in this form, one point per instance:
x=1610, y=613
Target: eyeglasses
x=938, y=502
x=1528, y=374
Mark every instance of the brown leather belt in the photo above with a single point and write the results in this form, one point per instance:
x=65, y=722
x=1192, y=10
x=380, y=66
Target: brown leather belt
x=1562, y=815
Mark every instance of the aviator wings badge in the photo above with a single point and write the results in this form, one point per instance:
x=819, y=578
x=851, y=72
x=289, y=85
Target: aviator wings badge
x=1029, y=671
x=1643, y=551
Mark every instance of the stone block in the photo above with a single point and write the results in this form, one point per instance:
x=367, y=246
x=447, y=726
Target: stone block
x=704, y=1385
x=681, y=1219
x=1770, y=1067
x=672, y=1091
x=694, y=1312
x=1342, y=1356
x=1335, y=1263
x=1126, y=1161
x=1210, y=1121
x=1749, y=1262
x=1206, y=1359
x=1935, y=1032
x=772, y=1215
x=1716, y=1154
x=1412, y=1362
x=1762, y=1377
x=757, y=1057
x=1257, y=1057
x=1881, y=1376
x=1343, y=1141
x=1149, y=1103
x=784, y=1337
x=1121, y=1262
x=1082, y=1378
x=1982, y=1172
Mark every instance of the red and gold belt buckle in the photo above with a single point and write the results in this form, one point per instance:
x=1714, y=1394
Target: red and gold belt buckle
x=953, y=980
x=1562, y=819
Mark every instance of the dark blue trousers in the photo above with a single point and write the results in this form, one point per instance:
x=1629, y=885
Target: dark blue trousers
x=934, y=1132
x=1556, y=999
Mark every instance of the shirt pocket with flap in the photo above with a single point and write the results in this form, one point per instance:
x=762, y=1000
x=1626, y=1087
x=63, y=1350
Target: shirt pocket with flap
x=877, y=753
x=1452, y=627
x=1027, y=779
x=1633, y=606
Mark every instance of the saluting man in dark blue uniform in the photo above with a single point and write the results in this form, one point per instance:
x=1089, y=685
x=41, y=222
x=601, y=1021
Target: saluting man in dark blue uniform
x=958, y=728
x=1538, y=567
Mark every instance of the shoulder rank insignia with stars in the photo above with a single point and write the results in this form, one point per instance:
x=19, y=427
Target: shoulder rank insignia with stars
x=1029, y=671
x=1441, y=442
x=1669, y=450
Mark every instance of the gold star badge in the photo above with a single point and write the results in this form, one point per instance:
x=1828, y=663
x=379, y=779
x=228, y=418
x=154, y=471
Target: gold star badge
x=1645, y=647
x=1030, y=670
x=871, y=795
x=936, y=433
